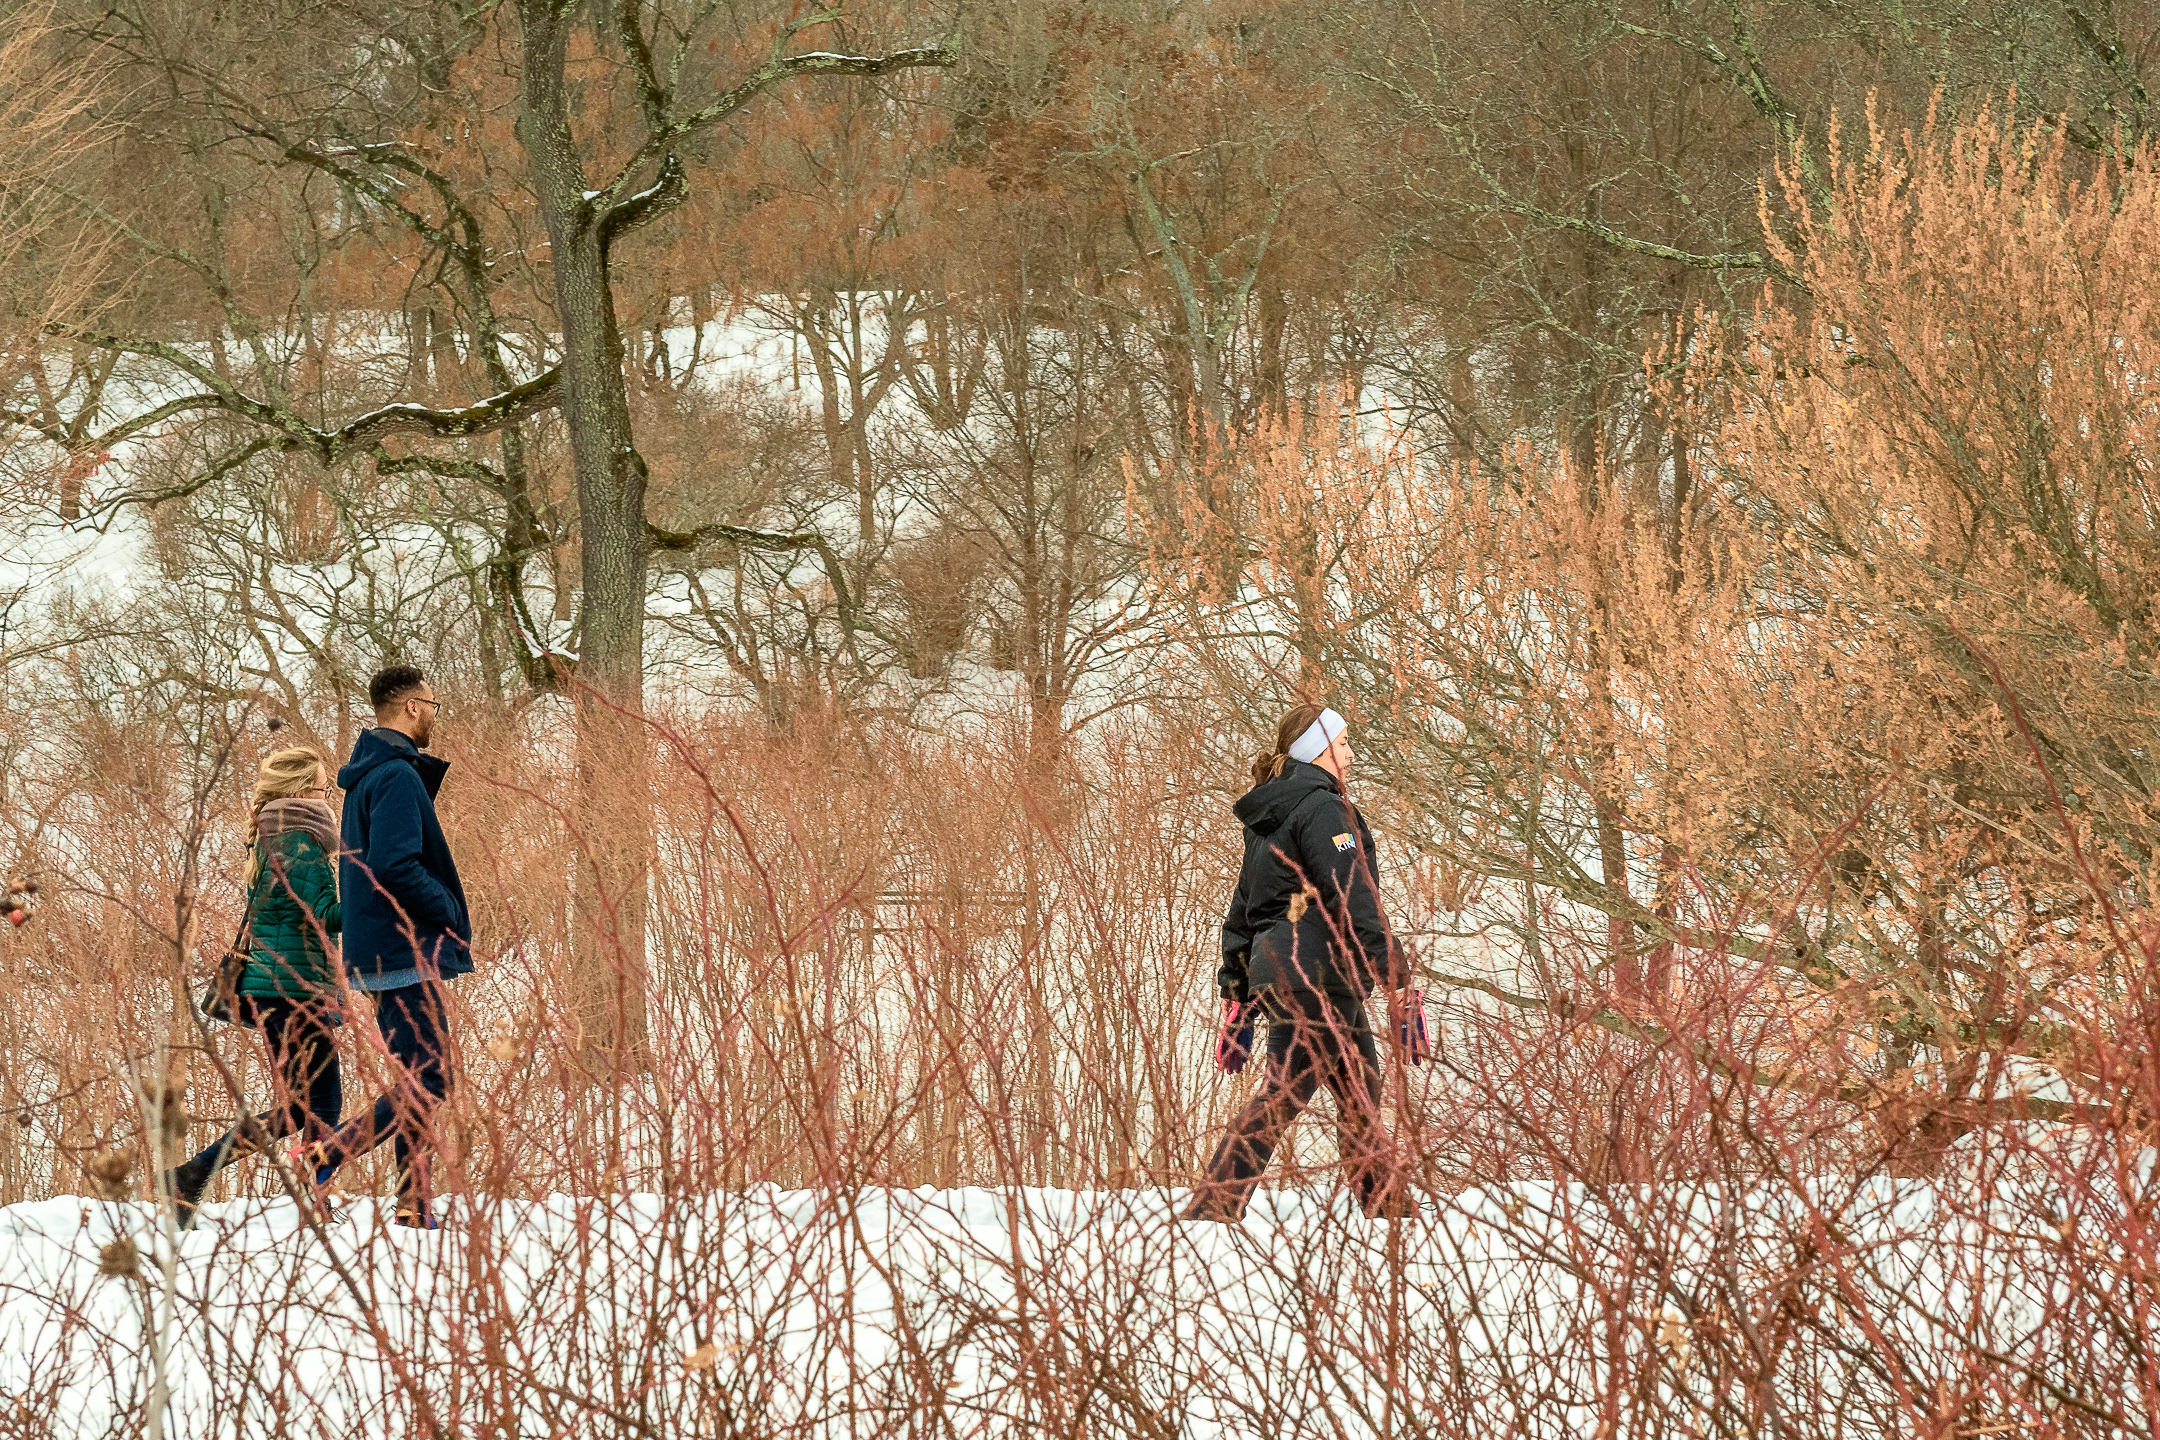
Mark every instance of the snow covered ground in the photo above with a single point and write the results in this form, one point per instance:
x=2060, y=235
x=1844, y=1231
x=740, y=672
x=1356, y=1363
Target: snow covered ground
x=1011, y=1312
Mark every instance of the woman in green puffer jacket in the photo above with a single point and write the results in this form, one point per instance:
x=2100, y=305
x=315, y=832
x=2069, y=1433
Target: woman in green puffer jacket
x=290, y=985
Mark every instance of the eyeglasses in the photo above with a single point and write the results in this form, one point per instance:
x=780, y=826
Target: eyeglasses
x=417, y=700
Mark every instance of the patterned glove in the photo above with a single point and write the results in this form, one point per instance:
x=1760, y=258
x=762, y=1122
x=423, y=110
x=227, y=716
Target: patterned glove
x=1233, y=1043
x=1410, y=1028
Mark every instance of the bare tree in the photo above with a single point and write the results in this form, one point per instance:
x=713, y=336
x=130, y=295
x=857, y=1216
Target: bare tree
x=331, y=117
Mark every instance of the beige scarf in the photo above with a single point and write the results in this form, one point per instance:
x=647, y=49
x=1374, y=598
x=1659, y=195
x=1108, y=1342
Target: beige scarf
x=304, y=813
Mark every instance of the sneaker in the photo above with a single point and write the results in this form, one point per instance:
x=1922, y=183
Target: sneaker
x=316, y=1170
x=417, y=1217
x=313, y=1162
x=413, y=1210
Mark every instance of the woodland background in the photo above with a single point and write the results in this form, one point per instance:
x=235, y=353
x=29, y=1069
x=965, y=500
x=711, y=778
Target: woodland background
x=865, y=481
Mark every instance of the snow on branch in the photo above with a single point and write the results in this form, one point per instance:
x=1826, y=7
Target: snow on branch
x=774, y=541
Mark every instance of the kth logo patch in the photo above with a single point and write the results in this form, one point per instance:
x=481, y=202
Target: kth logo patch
x=1346, y=841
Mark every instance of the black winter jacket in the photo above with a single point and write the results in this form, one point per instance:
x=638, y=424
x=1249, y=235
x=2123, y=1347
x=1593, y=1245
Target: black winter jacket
x=1302, y=834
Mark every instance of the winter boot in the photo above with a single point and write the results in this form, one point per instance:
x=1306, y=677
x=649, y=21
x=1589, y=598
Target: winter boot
x=1393, y=1202
x=186, y=1183
x=1222, y=1204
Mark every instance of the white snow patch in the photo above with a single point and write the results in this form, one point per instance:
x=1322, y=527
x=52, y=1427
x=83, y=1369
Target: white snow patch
x=821, y=1309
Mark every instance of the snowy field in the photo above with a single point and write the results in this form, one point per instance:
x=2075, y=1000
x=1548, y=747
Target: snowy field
x=962, y=1312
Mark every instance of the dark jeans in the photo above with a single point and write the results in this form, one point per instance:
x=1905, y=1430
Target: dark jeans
x=304, y=1074
x=411, y=1019
x=1313, y=1040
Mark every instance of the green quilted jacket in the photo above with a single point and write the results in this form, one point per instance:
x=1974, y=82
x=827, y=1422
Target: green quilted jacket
x=295, y=906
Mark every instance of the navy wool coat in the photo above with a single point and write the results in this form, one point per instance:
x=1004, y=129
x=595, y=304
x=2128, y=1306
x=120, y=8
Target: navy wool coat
x=404, y=909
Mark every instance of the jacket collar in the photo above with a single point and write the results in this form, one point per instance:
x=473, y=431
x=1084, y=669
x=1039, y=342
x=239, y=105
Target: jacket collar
x=379, y=746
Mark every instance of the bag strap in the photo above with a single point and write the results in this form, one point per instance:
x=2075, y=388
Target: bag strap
x=243, y=939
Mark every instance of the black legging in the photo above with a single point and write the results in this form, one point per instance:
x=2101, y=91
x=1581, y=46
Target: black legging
x=304, y=1077
x=1313, y=1040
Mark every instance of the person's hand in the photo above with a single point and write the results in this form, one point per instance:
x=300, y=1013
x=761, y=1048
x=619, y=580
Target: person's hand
x=1234, y=1040
x=1410, y=1031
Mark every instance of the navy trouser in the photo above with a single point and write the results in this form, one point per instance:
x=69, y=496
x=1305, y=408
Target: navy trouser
x=304, y=1077
x=1313, y=1040
x=412, y=1021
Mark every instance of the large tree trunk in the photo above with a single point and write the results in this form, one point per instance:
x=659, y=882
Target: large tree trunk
x=614, y=809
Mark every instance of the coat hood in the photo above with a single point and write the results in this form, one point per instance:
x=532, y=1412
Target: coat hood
x=378, y=747
x=1264, y=808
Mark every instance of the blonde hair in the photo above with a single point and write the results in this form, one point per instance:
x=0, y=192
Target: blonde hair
x=284, y=774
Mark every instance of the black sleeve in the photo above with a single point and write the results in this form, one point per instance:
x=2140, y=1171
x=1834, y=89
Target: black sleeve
x=1231, y=979
x=1339, y=863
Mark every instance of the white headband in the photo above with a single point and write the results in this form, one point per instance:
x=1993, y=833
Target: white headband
x=1322, y=733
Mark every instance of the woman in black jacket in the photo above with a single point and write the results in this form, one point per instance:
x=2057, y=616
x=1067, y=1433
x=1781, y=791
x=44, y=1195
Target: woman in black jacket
x=1307, y=938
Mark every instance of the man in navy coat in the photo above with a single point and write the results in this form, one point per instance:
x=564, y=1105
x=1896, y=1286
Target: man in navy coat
x=406, y=927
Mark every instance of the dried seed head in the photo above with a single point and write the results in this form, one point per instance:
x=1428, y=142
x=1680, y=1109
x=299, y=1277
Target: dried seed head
x=109, y=1173
x=274, y=724
x=165, y=1103
x=119, y=1259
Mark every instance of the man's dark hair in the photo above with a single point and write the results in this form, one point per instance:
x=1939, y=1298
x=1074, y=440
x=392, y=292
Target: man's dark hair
x=393, y=683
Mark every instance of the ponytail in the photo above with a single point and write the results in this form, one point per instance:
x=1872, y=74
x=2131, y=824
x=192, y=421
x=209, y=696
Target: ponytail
x=1268, y=764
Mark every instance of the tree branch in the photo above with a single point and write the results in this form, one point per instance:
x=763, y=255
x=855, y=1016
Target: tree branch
x=664, y=194
x=1864, y=1095
x=660, y=538
x=660, y=145
x=1505, y=201
x=388, y=464
x=217, y=470
x=361, y=433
